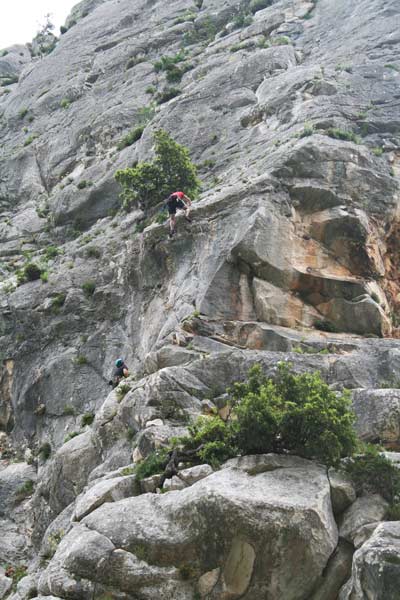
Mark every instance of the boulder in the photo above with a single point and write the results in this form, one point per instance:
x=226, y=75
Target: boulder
x=378, y=416
x=264, y=511
x=109, y=490
x=342, y=491
x=376, y=569
x=365, y=510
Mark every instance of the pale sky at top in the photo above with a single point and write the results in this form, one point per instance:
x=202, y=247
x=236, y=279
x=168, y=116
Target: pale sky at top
x=20, y=19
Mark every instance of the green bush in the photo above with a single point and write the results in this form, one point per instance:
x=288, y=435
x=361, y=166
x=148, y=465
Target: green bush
x=65, y=103
x=167, y=94
x=68, y=410
x=51, y=252
x=150, y=183
x=340, y=134
x=83, y=184
x=26, y=489
x=58, y=301
x=88, y=288
x=30, y=272
x=167, y=62
x=45, y=451
x=93, y=252
x=373, y=472
x=63, y=29
x=131, y=137
x=71, y=435
x=242, y=19
x=325, y=326
x=152, y=464
x=22, y=113
x=87, y=419
x=30, y=139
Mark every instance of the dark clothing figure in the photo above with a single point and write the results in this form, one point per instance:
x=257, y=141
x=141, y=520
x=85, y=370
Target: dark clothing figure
x=120, y=372
x=173, y=202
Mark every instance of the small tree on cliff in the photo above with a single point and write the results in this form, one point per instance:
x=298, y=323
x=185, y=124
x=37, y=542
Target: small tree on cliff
x=148, y=183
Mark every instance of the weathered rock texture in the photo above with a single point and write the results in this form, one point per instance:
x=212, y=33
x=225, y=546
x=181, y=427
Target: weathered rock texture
x=291, y=110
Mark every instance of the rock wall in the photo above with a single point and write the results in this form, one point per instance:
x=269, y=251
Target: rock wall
x=290, y=110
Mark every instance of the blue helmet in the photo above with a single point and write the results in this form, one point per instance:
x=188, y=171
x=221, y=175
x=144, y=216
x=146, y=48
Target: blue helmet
x=119, y=362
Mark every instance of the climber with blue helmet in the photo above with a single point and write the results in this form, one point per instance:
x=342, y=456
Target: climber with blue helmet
x=120, y=371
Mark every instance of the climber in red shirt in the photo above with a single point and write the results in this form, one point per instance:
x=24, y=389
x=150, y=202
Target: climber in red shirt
x=173, y=202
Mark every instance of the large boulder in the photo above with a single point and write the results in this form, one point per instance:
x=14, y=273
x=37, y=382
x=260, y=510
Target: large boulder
x=378, y=416
x=237, y=533
x=376, y=566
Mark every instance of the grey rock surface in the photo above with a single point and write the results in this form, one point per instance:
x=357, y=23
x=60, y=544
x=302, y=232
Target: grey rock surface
x=290, y=110
x=165, y=532
x=375, y=566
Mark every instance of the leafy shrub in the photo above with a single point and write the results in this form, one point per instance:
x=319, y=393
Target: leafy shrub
x=71, y=435
x=93, y=252
x=307, y=130
x=30, y=272
x=58, y=301
x=83, y=184
x=63, y=29
x=340, y=134
x=281, y=40
x=51, y=252
x=88, y=288
x=22, y=113
x=150, y=89
x=16, y=574
x=373, y=472
x=167, y=94
x=68, y=410
x=149, y=183
x=242, y=19
x=26, y=489
x=80, y=360
x=30, y=139
x=167, y=62
x=44, y=276
x=295, y=413
x=133, y=61
x=152, y=464
x=9, y=80
x=131, y=137
x=378, y=151
x=203, y=32
x=45, y=451
x=65, y=103
x=87, y=419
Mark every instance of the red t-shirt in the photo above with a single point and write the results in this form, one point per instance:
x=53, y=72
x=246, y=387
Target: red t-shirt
x=178, y=194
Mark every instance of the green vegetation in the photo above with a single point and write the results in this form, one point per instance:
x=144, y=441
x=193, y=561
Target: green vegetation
x=281, y=40
x=88, y=288
x=378, y=151
x=65, y=103
x=166, y=63
x=296, y=414
x=83, y=184
x=149, y=183
x=134, y=60
x=93, y=252
x=44, y=451
x=131, y=137
x=63, y=29
x=242, y=19
x=374, y=473
x=51, y=252
x=44, y=276
x=16, y=573
x=308, y=130
x=68, y=410
x=22, y=113
x=58, y=301
x=203, y=32
x=71, y=435
x=80, y=360
x=187, y=16
x=25, y=490
x=122, y=390
x=167, y=94
x=87, y=419
x=393, y=67
x=154, y=463
x=30, y=139
x=340, y=134
x=29, y=272
x=150, y=89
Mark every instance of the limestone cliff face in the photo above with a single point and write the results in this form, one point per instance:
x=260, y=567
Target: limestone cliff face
x=290, y=109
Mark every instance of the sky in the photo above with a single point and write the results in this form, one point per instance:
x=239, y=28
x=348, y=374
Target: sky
x=20, y=19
